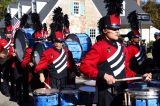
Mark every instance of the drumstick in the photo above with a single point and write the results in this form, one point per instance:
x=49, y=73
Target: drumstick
x=127, y=79
x=49, y=87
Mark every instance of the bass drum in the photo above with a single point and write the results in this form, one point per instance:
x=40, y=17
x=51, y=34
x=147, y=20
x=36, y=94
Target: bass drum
x=75, y=49
x=74, y=37
x=23, y=39
x=38, y=49
x=20, y=44
x=85, y=42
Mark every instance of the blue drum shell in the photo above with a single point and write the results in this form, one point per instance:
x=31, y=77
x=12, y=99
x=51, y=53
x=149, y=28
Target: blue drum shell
x=46, y=97
x=75, y=49
x=146, y=102
x=29, y=36
x=46, y=100
x=85, y=42
x=87, y=95
x=69, y=97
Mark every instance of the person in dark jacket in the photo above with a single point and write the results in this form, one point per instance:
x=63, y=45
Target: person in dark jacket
x=156, y=50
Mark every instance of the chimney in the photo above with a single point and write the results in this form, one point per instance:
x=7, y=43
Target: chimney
x=34, y=6
x=19, y=10
x=138, y=2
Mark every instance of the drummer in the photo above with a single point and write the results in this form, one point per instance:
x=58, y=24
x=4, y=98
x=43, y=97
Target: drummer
x=29, y=77
x=6, y=54
x=56, y=60
x=106, y=59
x=137, y=58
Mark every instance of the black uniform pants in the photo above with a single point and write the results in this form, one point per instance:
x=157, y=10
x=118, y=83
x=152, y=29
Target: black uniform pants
x=58, y=83
x=105, y=98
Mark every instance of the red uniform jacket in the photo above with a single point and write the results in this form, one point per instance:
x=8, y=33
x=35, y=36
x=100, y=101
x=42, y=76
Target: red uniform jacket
x=49, y=56
x=26, y=60
x=133, y=51
x=4, y=44
x=99, y=53
x=27, y=57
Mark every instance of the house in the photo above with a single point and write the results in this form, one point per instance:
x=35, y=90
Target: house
x=84, y=14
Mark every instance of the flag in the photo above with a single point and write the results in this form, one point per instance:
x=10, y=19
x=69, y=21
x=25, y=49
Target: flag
x=15, y=23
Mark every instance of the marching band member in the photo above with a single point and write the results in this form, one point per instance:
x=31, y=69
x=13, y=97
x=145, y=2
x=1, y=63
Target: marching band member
x=7, y=54
x=106, y=59
x=136, y=53
x=29, y=77
x=55, y=60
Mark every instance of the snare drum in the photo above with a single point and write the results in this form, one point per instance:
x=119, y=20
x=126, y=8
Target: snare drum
x=87, y=95
x=142, y=97
x=45, y=97
x=154, y=83
x=69, y=97
x=138, y=85
x=90, y=82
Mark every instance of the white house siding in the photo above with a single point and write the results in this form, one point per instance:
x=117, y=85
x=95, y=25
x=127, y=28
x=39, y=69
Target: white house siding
x=145, y=34
x=25, y=9
x=13, y=11
x=81, y=23
x=40, y=6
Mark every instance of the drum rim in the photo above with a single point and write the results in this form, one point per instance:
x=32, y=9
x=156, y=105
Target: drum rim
x=90, y=82
x=56, y=91
x=87, y=90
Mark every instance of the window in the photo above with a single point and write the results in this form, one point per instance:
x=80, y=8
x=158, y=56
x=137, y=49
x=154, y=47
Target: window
x=124, y=7
x=76, y=7
x=92, y=33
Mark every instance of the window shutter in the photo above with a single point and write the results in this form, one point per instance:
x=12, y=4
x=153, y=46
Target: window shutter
x=82, y=8
x=88, y=32
x=72, y=8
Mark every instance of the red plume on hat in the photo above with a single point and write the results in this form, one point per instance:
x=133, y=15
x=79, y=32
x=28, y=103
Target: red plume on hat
x=8, y=23
x=114, y=9
x=134, y=24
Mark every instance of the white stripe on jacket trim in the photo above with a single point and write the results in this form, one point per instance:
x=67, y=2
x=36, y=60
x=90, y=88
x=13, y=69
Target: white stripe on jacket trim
x=58, y=57
x=8, y=44
x=62, y=68
x=115, y=54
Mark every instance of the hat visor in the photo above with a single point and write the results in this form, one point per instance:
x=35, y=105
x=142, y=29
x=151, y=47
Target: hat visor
x=59, y=40
x=113, y=27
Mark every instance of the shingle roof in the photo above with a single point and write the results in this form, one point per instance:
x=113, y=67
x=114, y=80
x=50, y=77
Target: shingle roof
x=46, y=9
x=130, y=6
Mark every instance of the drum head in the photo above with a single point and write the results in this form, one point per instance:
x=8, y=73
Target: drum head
x=87, y=89
x=38, y=49
x=44, y=91
x=90, y=82
x=145, y=92
x=20, y=44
